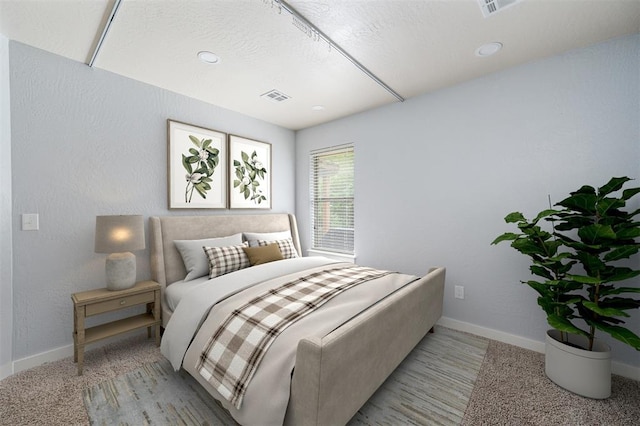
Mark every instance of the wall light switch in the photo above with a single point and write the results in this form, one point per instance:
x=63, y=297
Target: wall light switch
x=30, y=222
x=458, y=292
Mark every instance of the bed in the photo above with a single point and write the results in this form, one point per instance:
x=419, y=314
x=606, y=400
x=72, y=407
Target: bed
x=334, y=371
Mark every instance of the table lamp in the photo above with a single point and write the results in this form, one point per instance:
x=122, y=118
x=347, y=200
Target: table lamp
x=118, y=236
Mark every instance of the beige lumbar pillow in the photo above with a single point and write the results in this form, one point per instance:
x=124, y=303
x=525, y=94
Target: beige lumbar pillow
x=263, y=254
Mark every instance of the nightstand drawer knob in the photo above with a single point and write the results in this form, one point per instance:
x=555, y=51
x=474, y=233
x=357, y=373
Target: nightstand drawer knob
x=123, y=302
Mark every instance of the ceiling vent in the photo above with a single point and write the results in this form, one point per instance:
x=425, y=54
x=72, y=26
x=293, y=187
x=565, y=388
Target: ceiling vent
x=491, y=7
x=275, y=96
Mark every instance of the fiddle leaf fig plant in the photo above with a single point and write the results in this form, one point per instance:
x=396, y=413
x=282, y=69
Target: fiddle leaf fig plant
x=579, y=264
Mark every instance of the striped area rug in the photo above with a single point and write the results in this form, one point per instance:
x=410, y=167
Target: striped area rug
x=431, y=386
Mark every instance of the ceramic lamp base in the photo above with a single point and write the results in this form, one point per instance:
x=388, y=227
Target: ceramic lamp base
x=121, y=271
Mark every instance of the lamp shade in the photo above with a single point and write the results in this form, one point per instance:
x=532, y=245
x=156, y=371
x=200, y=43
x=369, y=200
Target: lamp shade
x=119, y=234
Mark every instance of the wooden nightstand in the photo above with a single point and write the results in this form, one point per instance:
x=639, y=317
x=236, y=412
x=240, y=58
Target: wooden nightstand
x=100, y=301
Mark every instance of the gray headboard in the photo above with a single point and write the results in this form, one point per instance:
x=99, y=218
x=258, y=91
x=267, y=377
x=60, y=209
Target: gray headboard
x=166, y=263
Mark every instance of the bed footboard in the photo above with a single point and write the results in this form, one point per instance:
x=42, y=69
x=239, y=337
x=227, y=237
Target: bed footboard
x=334, y=376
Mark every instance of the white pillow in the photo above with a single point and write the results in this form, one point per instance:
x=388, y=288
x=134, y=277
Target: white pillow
x=194, y=258
x=253, y=237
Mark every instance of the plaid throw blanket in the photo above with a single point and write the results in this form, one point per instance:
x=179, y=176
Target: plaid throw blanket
x=232, y=355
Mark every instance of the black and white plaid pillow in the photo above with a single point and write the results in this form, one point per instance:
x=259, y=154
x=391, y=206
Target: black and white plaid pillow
x=223, y=260
x=286, y=247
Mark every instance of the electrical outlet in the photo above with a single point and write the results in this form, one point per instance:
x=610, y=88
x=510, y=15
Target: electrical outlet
x=30, y=222
x=458, y=292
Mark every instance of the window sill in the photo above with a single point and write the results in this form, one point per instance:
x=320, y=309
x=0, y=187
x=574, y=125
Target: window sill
x=351, y=258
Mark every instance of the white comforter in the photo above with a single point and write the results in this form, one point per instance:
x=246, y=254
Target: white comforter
x=267, y=397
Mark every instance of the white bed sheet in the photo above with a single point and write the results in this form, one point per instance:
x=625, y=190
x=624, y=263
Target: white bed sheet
x=176, y=291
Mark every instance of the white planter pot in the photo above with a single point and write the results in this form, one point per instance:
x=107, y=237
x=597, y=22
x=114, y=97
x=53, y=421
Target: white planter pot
x=583, y=372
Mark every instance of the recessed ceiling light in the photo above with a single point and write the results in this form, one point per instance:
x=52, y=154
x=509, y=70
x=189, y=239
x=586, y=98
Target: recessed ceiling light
x=488, y=49
x=209, y=57
x=317, y=108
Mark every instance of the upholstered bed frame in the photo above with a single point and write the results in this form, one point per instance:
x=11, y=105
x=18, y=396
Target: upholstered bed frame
x=334, y=375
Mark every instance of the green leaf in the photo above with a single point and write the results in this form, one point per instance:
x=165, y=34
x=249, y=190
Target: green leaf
x=543, y=214
x=621, y=274
x=195, y=141
x=605, y=312
x=542, y=288
x=623, y=252
x=607, y=204
x=618, y=290
x=514, y=217
x=623, y=303
x=540, y=271
x=629, y=231
x=563, y=324
x=507, y=236
x=206, y=144
x=528, y=247
x=620, y=333
x=630, y=192
x=244, y=156
x=585, y=280
x=236, y=163
x=613, y=185
x=593, y=233
x=581, y=202
x=186, y=164
x=236, y=183
x=201, y=191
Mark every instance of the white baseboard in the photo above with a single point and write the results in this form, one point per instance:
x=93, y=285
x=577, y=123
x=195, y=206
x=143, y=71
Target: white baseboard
x=6, y=370
x=618, y=368
x=42, y=358
x=62, y=352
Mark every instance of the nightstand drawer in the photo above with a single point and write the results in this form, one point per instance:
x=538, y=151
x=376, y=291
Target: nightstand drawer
x=120, y=303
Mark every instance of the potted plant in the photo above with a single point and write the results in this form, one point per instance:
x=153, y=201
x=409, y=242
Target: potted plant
x=580, y=266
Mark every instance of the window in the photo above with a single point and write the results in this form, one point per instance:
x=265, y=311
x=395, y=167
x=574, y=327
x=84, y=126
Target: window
x=331, y=187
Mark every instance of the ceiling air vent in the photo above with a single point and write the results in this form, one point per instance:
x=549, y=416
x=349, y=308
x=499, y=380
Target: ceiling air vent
x=275, y=96
x=491, y=7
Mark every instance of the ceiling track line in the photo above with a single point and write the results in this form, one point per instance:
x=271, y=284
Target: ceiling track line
x=337, y=47
x=107, y=26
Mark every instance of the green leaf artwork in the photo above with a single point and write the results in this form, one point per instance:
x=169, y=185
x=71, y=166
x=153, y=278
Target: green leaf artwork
x=200, y=165
x=248, y=175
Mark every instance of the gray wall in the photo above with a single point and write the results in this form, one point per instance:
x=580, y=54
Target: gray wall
x=87, y=142
x=6, y=298
x=436, y=175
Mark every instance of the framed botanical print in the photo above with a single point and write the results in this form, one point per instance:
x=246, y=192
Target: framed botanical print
x=249, y=173
x=197, y=176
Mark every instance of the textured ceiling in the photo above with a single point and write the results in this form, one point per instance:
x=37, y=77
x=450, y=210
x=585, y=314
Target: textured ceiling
x=413, y=46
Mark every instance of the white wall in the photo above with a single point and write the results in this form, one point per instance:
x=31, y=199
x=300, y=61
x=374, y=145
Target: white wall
x=436, y=175
x=6, y=297
x=87, y=142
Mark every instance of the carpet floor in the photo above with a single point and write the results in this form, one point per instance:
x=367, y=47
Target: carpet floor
x=508, y=388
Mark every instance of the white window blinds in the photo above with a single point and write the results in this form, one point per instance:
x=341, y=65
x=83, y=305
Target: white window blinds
x=331, y=187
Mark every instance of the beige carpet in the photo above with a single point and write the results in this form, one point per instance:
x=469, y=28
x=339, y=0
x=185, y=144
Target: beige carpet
x=511, y=389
